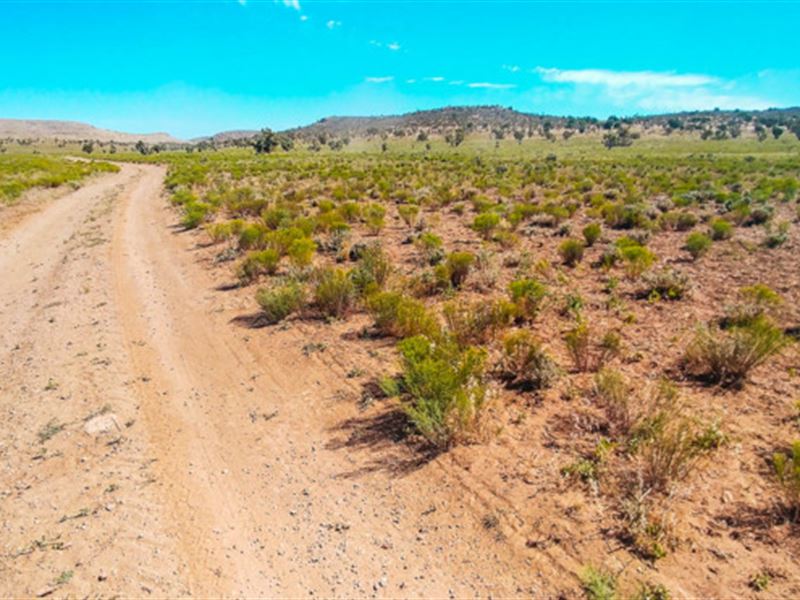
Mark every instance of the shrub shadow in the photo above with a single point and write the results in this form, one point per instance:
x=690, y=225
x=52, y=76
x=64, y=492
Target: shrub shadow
x=257, y=320
x=386, y=434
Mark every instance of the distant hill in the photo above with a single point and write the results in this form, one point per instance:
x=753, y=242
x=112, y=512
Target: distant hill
x=507, y=120
x=73, y=130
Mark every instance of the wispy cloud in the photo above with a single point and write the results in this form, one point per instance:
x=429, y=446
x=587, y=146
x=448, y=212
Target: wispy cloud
x=295, y=4
x=456, y=82
x=437, y=79
x=393, y=46
x=491, y=86
x=385, y=79
x=624, y=78
x=511, y=68
x=333, y=24
x=653, y=91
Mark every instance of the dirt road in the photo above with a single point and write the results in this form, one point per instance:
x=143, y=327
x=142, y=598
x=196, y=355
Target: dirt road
x=150, y=446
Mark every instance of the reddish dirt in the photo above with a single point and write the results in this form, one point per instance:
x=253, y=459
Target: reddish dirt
x=155, y=441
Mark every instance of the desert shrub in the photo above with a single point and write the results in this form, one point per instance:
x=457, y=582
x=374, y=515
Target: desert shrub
x=666, y=283
x=430, y=245
x=528, y=296
x=258, y=263
x=525, y=363
x=614, y=395
x=669, y=445
x=651, y=591
x=401, y=316
x=282, y=239
x=571, y=252
x=787, y=473
x=219, y=232
x=409, y=213
x=485, y=224
x=477, y=323
x=374, y=218
x=194, y=214
x=279, y=302
x=754, y=302
x=726, y=356
x=443, y=388
x=334, y=292
x=721, y=229
x=456, y=267
x=598, y=584
x=697, y=244
x=373, y=269
x=350, y=211
x=777, y=236
x=251, y=236
x=587, y=352
x=637, y=259
x=301, y=252
x=685, y=221
x=591, y=233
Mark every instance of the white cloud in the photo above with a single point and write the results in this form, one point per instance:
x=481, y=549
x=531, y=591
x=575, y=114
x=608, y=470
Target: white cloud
x=456, y=82
x=654, y=91
x=304, y=17
x=491, y=86
x=295, y=4
x=624, y=78
x=411, y=81
x=333, y=24
x=386, y=79
x=394, y=46
x=436, y=79
x=512, y=68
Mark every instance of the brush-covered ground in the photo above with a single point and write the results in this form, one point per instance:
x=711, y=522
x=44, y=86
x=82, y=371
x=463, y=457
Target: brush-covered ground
x=605, y=340
x=599, y=346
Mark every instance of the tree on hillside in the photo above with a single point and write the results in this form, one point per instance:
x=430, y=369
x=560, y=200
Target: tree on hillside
x=519, y=135
x=777, y=131
x=455, y=138
x=88, y=147
x=142, y=148
x=265, y=142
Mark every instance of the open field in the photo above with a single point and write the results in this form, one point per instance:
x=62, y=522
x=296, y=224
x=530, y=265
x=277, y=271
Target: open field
x=537, y=369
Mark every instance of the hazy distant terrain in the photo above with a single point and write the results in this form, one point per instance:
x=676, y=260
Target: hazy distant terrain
x=73, y=130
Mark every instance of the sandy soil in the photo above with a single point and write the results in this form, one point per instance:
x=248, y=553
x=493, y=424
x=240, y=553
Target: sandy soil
x=149, y=445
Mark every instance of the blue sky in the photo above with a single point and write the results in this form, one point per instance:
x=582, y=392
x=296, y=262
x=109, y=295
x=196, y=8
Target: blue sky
x=197, y=67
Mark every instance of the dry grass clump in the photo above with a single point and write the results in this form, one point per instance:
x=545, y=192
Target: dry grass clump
x=525, y=364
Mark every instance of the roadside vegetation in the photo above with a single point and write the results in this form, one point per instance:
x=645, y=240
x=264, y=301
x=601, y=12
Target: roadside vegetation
x=22, y=172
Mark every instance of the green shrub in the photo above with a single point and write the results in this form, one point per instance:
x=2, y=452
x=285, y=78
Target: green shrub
x=754, y=302
x=485, y=224
x=787, y=472
x=591, y=233
x=477, y=323
x=598, y=584
x=697, y=244
x=258, y=263
x=279, y=302
x=373, y=269
x=571, y=252
x=586, y=351
x=457, y=267
x=334, y=292
x=637, y=259
x=721, y=229
x=528, y=296
x=409, y=213
x=525, y=363
x=726, y=356
x=374, y=218
x=301, y=252
x=443, y=388
x=430, y=245
x=194, y=213
x=666, y=283
x=401, y=316
x=251, y=236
